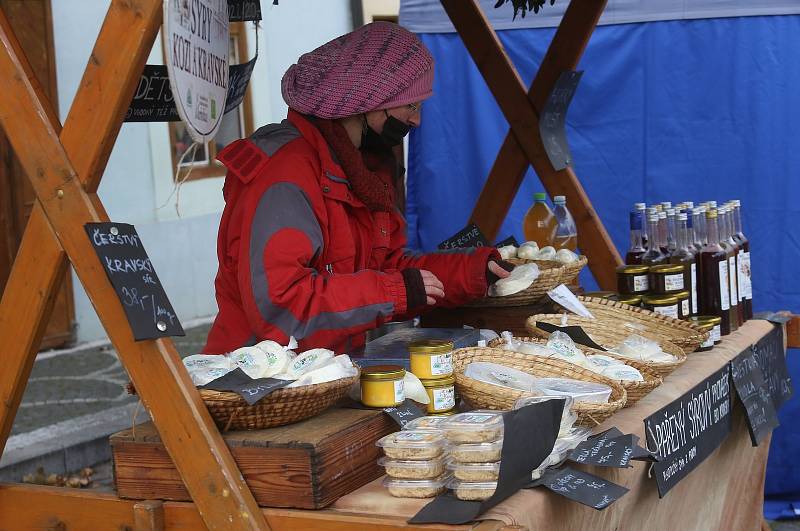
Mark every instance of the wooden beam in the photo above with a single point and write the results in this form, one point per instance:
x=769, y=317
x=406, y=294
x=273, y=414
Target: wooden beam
x=793, y=332
x=185, y=426
x=148, y=515
x=80, y=509
x=523, y=144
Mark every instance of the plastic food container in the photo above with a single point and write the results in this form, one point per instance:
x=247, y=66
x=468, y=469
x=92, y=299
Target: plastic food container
x=413, y=445
x=568, y=417
x=472, y=490
x=633, y=279
x=416, y=488
x=474, y=427
x=382, y=386
x=475, y=471
x=442, y=394
x=575, y=436
x=667, y=278
x=477, y=453
x=431, y=358
x=398, y=469
x=427, y=423
x=579, y=390
x=663, y=304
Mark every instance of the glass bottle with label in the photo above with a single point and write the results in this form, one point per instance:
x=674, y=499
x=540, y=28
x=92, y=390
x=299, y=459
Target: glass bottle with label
x=745, y=281
x=653, y=255
x=699, y=223
x=636, y=250
x=640, y=208
x=566, y=233
x=713, y=283
x=672, y=243
x=686, y=256
x=540, y=222
x=663, y=231
x=730, y=250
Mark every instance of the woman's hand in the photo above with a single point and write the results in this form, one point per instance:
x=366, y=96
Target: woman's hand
x=495, y=268
x=434, y=289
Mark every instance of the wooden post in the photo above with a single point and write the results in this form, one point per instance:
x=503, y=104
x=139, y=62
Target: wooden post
x=148, y=515
x=523, y=144
x=65, y=197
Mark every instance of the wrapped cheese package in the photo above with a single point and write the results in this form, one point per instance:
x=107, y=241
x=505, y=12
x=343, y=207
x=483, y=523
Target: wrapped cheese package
x=251, y=360
x=641, y=348
x=521, y=278
x=502, y=376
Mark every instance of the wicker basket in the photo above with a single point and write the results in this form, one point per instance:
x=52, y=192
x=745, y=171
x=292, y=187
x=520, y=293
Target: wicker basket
x=551, y=274
x=282, y=406
x=635, y=390
x=682, y=333
x=608, y=334
x=487, y=396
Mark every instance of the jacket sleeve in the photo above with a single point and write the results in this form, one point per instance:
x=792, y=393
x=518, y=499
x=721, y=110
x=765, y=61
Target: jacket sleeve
x=284, y=295
x=462, y=271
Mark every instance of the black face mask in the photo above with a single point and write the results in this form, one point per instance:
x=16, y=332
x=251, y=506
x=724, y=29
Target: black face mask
x=392, y=135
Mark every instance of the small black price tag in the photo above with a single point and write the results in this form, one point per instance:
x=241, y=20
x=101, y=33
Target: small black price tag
x=511, y=240
x=605, y=450
x=134, y=278
x=469, y=236
x=771, y=357
x=755, y=396
x=404, y=413
x=576, y=333
x=252, y=390
x=244, y=10
x=582, y=487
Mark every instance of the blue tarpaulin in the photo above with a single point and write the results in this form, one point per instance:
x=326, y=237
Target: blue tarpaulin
x=669, y=110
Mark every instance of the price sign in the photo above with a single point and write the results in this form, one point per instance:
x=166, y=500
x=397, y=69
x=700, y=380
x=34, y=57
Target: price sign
x=252, y=390
x=135, y=281
x=582, y=487
x=754, y=393
x=469, y=236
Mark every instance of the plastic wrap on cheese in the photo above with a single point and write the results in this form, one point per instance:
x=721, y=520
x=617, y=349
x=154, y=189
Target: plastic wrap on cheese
x=520, y=278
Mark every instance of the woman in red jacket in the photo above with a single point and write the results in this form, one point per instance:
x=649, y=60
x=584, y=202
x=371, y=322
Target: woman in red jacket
x=310, y=244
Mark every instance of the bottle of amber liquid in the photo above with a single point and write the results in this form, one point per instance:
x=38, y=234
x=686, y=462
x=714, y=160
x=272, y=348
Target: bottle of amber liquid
x=685, y=256
x=636, y=250
x=713, y=283
x=730, y=249
x=653, y=255
x=745, y=282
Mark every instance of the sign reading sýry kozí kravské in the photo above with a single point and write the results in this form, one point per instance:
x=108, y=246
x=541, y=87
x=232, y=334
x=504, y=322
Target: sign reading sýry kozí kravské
x=197, y=40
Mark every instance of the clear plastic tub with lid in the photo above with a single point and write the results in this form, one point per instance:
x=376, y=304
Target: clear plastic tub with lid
x=475, y=471
x=478, y=426
x=405, y=469
x=477, y=452
x=568, y=417
x=413, y=445
x=428, y=423
x=416, y=488
x=472, y=490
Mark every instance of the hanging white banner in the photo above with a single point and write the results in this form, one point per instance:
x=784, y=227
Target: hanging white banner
x=196, y=38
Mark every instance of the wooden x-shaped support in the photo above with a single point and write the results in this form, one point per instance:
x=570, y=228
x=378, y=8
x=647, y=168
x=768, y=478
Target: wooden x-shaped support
x=65, y=167
x=523, y=144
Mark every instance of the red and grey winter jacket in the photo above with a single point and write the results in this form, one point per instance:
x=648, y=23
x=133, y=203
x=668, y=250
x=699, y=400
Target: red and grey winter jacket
x=300, y=255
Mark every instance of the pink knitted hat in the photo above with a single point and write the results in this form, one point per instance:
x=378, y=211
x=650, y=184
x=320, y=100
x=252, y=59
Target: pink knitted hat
x=377, y=66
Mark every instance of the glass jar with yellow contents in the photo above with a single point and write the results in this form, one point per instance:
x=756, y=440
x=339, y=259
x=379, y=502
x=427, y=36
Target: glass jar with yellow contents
x=382, y=386
x=431, y=358
x=442, y=394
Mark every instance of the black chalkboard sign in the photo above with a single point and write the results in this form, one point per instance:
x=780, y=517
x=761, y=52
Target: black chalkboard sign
x=686, y=431
x=575, y=332
x=552, y=123
x=607, y=449
x=748, y=380
x=511, y=240
x=469, y=236
x=153, y=100
x=404, y=413
x=771, y=357
x=250, y=389
x=127, y=265
x=582, y=487
x=244, y=10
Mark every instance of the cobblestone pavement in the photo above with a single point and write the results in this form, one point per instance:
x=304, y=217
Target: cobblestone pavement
x=70, y=383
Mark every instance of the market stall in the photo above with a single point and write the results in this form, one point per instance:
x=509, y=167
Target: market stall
x=69, y=225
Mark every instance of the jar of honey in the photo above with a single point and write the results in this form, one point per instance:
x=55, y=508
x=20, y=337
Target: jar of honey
x=442, y=393
x=667, y=279
x=633, y=279
x=663, y=304
x=684, y=307
x=431, y=358
x=382, y=386
x=710, y=324
x=633, y=300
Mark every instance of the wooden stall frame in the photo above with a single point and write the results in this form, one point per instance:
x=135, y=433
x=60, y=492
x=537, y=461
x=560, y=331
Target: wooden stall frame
x=65, y=167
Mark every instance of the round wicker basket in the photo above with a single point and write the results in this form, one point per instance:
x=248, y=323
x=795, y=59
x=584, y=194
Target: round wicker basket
x=282, y=406
x=609, y=334
x=487, y=396
x=551, y=274
x=635, y=390
x=678, y=332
